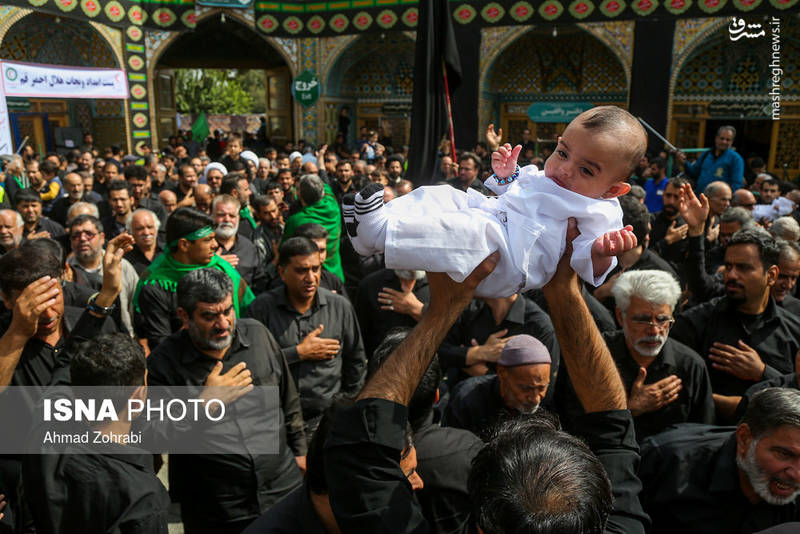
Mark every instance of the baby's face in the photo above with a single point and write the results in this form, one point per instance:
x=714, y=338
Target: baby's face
x=587, y=163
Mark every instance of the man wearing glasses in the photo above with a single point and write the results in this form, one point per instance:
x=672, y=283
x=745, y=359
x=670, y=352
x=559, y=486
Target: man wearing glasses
x=667, y=382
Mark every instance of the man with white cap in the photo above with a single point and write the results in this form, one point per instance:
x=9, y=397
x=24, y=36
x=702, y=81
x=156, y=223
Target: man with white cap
x=519, y=387
x=213, y=175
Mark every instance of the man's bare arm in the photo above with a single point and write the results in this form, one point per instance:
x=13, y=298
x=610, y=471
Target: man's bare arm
x=397, y=379
x=589, y=364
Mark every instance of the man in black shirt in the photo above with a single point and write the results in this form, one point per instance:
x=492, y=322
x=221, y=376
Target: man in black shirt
x=365, y=441
x=482, y=329
x=668, y=233
x=743, y=336
x=700, y=479
x=479, y=403
x=389, y=299
x=140, y=183
x=788, y=271
x=29, y=205
x=223, y=493
x=316, y=329
x=319, y=235
x=469, y=174
x=34, y=348
x=119, y=197
x=79, y=491
x=667, y=382
x=236, y=249
x=144, y=226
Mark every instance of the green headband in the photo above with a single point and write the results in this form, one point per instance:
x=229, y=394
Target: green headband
x=200, y=233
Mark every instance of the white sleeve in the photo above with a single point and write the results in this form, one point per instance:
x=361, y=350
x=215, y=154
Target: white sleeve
x=598, y=219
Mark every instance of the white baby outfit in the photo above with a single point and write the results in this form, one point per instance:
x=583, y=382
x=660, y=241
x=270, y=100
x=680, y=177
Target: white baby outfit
x=443, y=229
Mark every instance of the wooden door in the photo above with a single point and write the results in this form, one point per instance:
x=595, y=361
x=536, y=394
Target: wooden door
x=166, y=108
x=280, y=128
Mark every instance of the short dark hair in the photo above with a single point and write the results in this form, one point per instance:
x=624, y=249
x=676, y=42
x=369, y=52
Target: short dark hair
x=771, y=181
x=51, y=246
x=475, y=159
x=230, y=183
x=108, y=360
x=635, y=213
x=135, y=172
x=27, y=195
x=84, y=218
x=677, y=182
x=311, y=231
x=119, y=185
x=183, y=221
x=421, y=404
x=659, y=162
x=272, y=185
x=183, y=168
x=770, y=409
x=296, y=246
x=260, y=201
x=203, y=285
x=768, y=250
x=22, y=266
x=48, y=167
x=533, y=477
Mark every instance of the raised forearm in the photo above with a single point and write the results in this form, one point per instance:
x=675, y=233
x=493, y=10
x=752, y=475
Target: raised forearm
x=11, y=347
x=589, y=364
x=397, y=379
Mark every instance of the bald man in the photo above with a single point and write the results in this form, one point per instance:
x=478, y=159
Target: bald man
x=203, y=197
x=11, y=225
x=168, y=200
x=744, y=198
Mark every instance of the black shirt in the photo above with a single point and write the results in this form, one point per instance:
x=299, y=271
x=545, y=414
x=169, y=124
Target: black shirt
x=444, y=457
x=775, y=335
x=96, y=493
x=476, y=184
x=375, y=322
x=112, y=227
x=603, y=318
x=222, y=488
x=477, y=322
x=365, y=441
x=154, y=205
x=691, y=484
x=695, y=403
x=790, y=304
x=294, y=514
x=39, y=359
x=139, y=261
x=784, y=381
x=477, y=406
x=318, y=381
x=249, y=266
x=674, y=253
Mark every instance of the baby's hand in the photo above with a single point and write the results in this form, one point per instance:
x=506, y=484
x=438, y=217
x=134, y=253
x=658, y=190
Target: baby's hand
x=504, y=161
x=614, y=243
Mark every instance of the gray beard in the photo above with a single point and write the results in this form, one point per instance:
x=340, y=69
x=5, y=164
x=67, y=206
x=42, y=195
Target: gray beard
x=226, y=232
x=207, y=344
x=410, y=275
x=759, y=480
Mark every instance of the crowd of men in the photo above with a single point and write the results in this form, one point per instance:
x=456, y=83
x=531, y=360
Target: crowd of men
x=664, y=400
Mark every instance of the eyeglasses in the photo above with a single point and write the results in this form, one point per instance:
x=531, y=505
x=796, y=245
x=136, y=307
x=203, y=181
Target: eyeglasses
x=76, y=234
x=661, y=321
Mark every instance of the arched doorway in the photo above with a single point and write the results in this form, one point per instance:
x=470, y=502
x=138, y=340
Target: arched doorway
x=223, y=42
x=560, y=67
x=725, y=82
x=374, y=78
x=41, y=38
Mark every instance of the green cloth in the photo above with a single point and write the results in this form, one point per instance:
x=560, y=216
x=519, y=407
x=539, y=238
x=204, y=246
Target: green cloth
x=166, y=273
x=245, y=214
x=325, y=213
x=200, y=129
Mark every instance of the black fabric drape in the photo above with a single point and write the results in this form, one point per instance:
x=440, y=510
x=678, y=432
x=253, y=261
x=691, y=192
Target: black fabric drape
x=465, y=97
x=652, y=45
x=435, y=41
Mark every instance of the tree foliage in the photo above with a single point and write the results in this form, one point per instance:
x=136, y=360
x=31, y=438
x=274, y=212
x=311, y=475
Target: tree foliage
x=212, y=91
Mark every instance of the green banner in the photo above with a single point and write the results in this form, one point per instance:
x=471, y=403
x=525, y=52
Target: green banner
x=305, y=88
x=556, y=111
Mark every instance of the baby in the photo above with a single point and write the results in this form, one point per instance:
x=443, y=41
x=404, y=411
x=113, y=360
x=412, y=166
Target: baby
x=442, y=229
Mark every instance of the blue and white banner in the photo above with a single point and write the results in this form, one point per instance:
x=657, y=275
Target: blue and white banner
x=55, y=81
